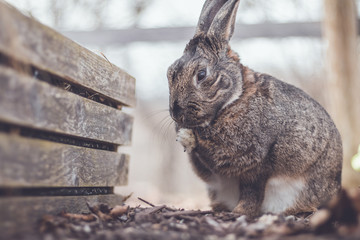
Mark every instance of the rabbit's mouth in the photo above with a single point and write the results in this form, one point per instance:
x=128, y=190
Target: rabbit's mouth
x=191, y=116
x=192, y=121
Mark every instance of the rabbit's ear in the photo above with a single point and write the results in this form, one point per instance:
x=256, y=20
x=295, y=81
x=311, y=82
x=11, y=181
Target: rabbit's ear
x=222, y=26
x=208, y=12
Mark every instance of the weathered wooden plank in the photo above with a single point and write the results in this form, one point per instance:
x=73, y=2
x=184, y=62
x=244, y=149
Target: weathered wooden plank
x=28, y=162
x=28, y=102
x=29, y=41
x=19, y=216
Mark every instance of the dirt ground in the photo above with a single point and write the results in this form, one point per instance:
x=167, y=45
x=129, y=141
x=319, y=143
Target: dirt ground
x=338, y=220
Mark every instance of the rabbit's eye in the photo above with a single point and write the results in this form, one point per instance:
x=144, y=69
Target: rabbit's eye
x=201, y=74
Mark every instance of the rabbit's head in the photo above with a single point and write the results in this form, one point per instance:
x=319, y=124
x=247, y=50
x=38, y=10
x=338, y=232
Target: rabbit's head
x=207, y=77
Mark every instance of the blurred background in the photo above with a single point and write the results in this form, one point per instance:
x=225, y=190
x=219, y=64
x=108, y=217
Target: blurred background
x=310, y=44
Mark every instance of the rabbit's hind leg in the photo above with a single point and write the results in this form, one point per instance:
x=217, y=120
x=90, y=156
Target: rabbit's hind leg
x=251, y=198
x=224, y=192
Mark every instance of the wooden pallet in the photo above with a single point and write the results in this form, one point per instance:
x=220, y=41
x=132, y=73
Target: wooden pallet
x=61, y=123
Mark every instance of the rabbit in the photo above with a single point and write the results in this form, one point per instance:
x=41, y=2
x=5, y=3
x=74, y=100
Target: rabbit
x=259, y=144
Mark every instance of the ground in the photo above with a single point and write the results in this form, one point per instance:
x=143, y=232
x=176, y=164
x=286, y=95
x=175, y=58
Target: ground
x=338, y=220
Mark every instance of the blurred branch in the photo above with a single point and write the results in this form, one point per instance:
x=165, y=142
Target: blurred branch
x=103, y=37
x=138, y=8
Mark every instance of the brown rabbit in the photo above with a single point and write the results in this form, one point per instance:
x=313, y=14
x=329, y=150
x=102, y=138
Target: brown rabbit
x=261, y=145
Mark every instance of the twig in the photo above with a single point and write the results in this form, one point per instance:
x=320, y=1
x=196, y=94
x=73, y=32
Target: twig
x=191, y=218
x=155, y=209
x=106, y=58
x=189, y=213
x=171, y=209
x=152, y=205
x=93, y=95
x=125, y=198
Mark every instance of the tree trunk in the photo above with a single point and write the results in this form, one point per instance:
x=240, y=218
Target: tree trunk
x=340, y=31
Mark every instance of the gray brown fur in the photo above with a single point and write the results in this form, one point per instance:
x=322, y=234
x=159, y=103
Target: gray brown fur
x=243, y=126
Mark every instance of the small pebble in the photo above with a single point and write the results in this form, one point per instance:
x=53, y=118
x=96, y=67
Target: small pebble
x=242, y=220
x=290, y=218
x=123, y=218
x=87, y=228
x=268, y=219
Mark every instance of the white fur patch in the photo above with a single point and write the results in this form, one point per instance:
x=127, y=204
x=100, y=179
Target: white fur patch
x=281, y=194
x=187, y=138
x=227, y=190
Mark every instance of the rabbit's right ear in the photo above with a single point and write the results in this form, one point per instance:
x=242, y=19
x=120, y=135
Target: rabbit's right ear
x=208, y=12
x=222, y=26
x=217, y=18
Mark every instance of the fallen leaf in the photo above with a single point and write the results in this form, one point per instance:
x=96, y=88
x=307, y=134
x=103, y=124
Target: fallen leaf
x=119, y=210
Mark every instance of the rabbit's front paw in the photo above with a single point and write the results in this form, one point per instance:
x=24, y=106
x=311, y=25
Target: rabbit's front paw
x=187, y=138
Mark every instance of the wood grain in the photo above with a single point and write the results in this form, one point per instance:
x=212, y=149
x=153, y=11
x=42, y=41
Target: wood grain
x=37, y=163
x=30, y=42
x=19, y=216
x=31, y=103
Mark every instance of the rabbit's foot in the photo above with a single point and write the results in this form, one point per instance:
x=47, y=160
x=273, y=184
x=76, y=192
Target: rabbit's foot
x=187, y=138
x=219, y=207
x=249, y=209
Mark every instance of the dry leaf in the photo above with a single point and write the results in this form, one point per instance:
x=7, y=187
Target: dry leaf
x=82, y=217
x=119, y=210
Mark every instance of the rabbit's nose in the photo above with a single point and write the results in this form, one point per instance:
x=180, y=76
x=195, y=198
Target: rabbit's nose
x=176, y=111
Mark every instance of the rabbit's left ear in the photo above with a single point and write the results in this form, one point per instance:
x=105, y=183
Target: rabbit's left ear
x=222, y=26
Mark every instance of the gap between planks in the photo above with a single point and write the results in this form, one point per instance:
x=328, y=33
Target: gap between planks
x=27, y=102
x=39, y=163
x=57, y=81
